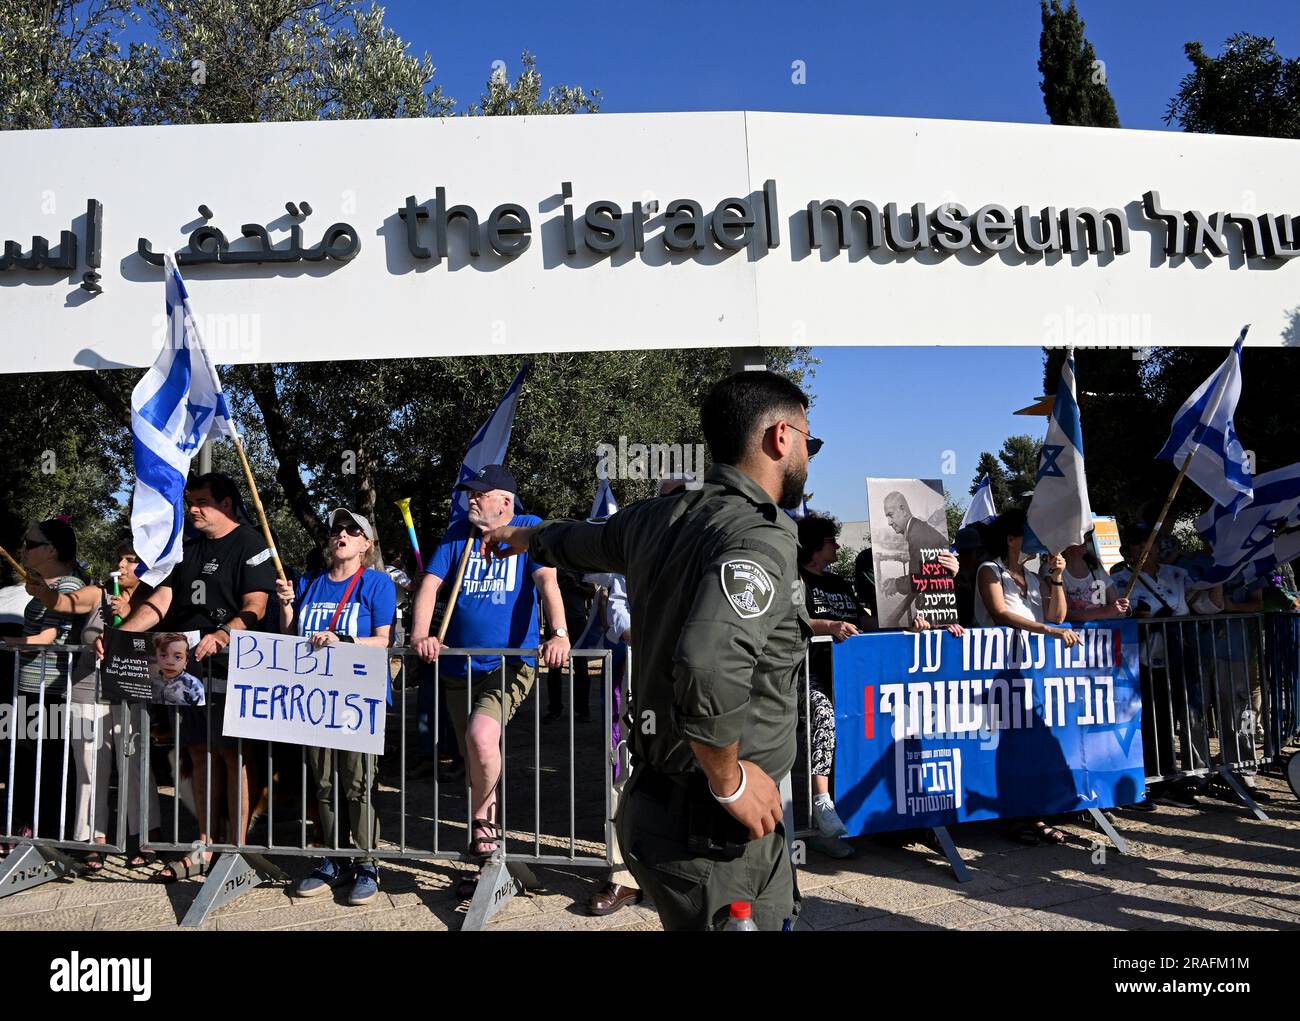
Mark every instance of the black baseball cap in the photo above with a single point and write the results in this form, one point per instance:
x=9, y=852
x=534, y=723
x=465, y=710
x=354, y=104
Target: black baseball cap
x=493, y=476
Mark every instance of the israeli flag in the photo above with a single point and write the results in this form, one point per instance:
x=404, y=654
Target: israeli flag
x=1203, y=429
x=981, y=509
x=1059, y=514
x=489, y=445
x=604, y=505
x=800, y=512
x=1246, y=541
x=174, y=409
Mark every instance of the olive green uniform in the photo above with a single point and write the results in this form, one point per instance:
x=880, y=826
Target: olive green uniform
x=720, y=636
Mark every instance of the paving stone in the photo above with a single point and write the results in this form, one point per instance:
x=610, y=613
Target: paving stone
x=81, y=919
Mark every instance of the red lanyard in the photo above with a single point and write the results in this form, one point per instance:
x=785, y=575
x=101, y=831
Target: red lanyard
x=347, y=592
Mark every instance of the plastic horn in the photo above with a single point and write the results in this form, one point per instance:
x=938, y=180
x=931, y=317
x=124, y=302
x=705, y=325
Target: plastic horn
x=404, y=505
x=117, y=591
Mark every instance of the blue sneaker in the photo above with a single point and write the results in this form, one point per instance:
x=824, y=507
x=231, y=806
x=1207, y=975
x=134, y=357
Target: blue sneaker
x=365, y=887
x=326, y=876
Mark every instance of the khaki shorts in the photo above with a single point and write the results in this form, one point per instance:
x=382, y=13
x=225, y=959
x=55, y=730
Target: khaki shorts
x=519, y=677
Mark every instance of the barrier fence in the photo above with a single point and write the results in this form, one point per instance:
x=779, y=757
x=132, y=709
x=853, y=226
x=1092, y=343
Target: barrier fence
x=551, y=826
x=1219, y=696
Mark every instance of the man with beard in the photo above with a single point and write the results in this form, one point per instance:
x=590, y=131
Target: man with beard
x=721, y=631
x=496, y=608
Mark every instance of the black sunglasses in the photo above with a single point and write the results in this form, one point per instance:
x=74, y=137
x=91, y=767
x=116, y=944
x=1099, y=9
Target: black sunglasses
x=814, y=444
x=352, y=530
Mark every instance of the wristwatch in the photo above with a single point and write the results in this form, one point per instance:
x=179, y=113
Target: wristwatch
x=560, y=632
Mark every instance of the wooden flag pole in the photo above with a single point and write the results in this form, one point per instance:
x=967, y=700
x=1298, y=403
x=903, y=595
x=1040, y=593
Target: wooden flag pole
x=455, y=588
x=257, y=505
x=1151, y=539
x=18, y=568
x=1173, y=490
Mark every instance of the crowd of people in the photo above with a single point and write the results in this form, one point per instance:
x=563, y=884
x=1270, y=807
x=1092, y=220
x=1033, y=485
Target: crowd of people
x=511, y=596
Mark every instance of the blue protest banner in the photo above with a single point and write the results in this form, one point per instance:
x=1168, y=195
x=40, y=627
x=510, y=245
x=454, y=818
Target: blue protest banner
x=933, y=730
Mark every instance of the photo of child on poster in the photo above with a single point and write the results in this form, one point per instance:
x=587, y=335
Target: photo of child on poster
x=909, y=531
x=151, y=667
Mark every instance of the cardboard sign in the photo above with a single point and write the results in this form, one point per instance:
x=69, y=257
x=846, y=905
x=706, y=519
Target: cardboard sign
x=1105, y=541
x=282, y=688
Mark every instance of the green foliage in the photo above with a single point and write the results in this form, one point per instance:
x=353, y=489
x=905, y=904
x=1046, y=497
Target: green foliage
x=61, y=64
x=989, y=465
x=1020, y=456
x=1249, y=89
x=524, y=96
x=953, y=512
x=1074, y=80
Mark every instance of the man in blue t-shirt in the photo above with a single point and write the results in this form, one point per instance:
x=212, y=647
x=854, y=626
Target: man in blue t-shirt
x=496, y=608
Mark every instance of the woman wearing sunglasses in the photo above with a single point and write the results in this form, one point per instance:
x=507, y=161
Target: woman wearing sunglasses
x=102, y=725
x=49, y=552
x=349, y=601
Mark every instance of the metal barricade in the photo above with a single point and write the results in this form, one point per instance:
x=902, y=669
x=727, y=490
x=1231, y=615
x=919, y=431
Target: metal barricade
x=1214, y=695
x=417, y=807
x=65, y=764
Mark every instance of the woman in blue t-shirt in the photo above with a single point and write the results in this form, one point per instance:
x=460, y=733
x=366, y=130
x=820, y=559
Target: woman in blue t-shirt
x=348, y=602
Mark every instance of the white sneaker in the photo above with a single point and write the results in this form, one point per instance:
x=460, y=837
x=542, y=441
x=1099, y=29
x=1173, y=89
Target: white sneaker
x=827, y=821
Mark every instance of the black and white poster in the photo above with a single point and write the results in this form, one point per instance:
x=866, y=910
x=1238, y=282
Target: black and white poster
x=909, y=531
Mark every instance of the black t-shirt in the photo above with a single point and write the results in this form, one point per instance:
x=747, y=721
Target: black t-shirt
x=209, y=584
x=829, y=597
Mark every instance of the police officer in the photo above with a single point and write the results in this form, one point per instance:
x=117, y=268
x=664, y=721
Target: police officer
x=713, y=584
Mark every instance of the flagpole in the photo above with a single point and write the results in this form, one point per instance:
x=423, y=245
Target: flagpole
x=1151, y=539
x=455, y=588
x=1173, y=490
x=18, y=568
x=257, y=504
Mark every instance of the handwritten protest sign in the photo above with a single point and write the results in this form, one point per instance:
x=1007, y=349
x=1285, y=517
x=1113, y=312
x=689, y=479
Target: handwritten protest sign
x=281, y=688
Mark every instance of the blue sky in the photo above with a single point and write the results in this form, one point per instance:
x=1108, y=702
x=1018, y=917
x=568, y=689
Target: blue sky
x=937, y=59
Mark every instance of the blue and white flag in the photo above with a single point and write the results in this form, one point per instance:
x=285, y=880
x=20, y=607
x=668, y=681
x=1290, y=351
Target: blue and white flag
x=489, y=445
x=800, y=512
x=981, y=509
x=1059, y=514
x=1246, y=542
x=1203, y=428
x=604, y=505
x=174, y=408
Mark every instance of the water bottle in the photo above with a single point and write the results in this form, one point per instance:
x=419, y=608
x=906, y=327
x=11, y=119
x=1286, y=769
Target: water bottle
x=740, y=918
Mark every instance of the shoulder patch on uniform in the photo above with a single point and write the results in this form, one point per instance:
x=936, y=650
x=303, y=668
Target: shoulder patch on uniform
x=748, y=588
x=259, y=558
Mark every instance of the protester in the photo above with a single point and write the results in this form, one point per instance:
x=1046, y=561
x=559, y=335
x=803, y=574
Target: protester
x=833, y=610
x=222, y=584
x=100, y=728
x=399, y=570
x=1090, y=594
x=1009, y=596
x=350, y=602
x=577, y=596
x=1168, y=687
x=970, y=543
x=864, y=585
x=496, y=607
x=49, y=555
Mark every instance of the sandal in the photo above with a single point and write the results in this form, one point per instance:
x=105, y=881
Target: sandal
x=1026, y=833
x=93, y=862
x=182, y=868
x=1050, y=834
x=141, y=860
x=482, y=848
